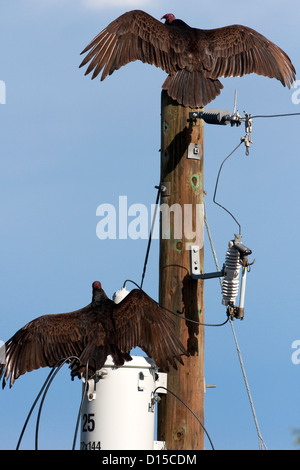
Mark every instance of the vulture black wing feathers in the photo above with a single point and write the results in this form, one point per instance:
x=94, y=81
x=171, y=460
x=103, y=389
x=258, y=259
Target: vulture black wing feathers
x=44, y=342
x=135, y=35
x=140, y=321
x=193, y=58
x=236, y=50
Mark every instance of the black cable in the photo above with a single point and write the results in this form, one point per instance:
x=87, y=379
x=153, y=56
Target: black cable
x=274, y=115
x=46, y=384
x=194, y=414
x=62, y=361
x=178, y=314
x=216, y=186
x=251, y=117
x=129, y=280
x=150, y=235
x=32, y=408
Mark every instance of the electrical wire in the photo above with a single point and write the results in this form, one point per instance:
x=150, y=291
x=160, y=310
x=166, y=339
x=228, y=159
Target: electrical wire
x=274, y=115
x=261, y=443
x=49, y=382
x=260, y=439
x=217, y=183
x=242, y=141
x=150, y=235
x=194, y=414
x=32, y=408
x=179, y=315
x=45, y=387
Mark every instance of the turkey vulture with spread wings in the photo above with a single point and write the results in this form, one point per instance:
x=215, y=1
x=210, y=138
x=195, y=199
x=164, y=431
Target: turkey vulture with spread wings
x=193, y=58
x=92, y=333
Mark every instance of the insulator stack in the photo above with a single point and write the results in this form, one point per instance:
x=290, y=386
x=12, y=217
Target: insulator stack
x=232, y=267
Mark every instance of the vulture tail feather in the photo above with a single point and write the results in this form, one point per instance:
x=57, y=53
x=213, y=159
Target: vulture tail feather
x=192, y=88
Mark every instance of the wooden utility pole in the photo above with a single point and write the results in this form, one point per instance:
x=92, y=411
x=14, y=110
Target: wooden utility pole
x=182, y=178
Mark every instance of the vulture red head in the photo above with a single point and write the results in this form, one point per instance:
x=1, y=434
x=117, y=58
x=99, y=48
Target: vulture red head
x=96, y=285
x=169, y=17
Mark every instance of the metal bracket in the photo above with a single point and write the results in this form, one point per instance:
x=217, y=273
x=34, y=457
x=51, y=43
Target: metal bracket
x=161, y=380
x=165, y=189
x=206, y=386
x=91, y=389
x=195, y=266
x=194, y=151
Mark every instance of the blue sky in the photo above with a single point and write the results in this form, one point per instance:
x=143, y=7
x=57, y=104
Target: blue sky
x=69, y=144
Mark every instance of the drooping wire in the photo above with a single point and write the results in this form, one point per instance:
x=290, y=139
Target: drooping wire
x=57, y=369
x=193, y=413
x=150, y=235
x=32, y=408
x=217, y=182
x=178, y=314
x=46, y=386
x=133, y=282
x=260, y=439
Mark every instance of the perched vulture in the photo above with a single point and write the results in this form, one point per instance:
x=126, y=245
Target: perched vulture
x=193, y=58
x=92, y=333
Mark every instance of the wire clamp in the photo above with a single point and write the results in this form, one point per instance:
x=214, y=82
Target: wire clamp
x=248, y=128
x=224, y=117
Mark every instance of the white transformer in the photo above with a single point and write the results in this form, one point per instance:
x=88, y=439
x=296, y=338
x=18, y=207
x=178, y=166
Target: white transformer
x=119, y=406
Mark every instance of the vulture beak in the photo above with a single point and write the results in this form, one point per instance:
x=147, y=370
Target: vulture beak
x=169, y=17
